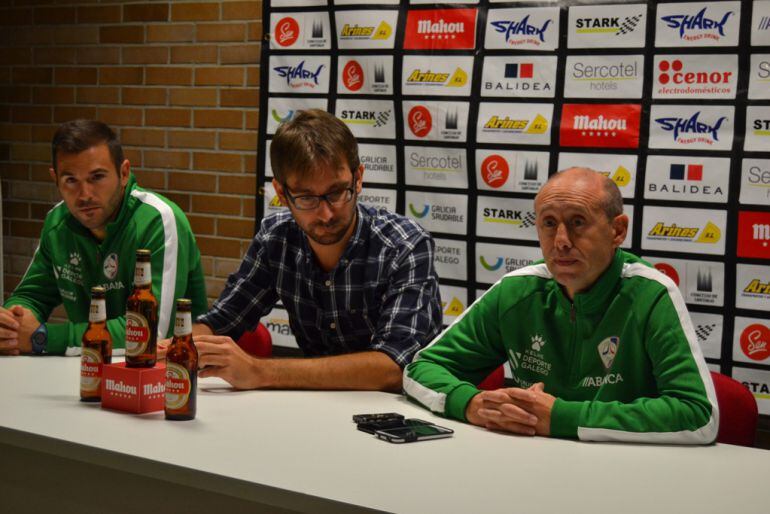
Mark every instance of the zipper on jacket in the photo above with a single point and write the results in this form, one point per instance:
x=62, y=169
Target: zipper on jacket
x=572, y=312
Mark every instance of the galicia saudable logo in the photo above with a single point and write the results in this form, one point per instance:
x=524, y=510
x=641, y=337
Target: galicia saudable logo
x=419, y=214
x=491, y=267
x=686, y=23
x=280, y=118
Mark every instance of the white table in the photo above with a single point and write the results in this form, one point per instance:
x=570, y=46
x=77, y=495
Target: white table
x=299, y=451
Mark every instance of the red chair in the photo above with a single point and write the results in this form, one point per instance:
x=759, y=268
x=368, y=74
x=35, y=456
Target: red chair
x=258, y=342
x=738, y=413
x=495, y=380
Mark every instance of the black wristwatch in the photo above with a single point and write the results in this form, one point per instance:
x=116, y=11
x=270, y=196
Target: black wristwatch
x=39, y=339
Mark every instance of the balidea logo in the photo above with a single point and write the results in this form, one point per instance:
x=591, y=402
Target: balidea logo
x=519, y=76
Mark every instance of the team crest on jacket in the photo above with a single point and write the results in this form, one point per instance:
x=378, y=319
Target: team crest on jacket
x=608, y=349
x=111, y=266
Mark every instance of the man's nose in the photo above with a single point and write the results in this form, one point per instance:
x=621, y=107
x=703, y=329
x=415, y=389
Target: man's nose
x=324, y=211
x=562, y=240
x=85, y=192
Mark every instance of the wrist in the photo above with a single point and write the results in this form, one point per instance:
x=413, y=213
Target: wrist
x=37, y=342
x=471, y=411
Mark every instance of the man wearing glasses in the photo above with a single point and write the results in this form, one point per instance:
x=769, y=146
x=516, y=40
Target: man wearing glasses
x=358, y=284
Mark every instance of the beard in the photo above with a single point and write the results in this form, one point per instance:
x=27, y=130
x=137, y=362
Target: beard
x=331, y=232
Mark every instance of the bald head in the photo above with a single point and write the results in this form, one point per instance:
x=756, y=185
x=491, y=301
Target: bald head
x=608, y=199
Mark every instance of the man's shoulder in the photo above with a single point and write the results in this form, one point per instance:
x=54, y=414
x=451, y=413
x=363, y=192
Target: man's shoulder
x=56, y=219
x=277, y=225
x=527, y=280
x=392, y=229
x=149, y=205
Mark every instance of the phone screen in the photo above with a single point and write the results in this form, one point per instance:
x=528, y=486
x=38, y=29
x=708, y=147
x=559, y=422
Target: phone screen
x=413, y=430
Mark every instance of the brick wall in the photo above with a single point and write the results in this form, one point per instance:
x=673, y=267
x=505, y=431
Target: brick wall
x=178, y=80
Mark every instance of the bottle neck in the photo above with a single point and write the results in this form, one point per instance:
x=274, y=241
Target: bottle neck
x=183, y=324
x=142, y=274
x=98, y=311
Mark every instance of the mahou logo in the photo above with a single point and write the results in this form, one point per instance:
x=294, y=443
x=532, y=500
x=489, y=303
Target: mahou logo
x=286, y=31
x=495, y=171
x=353, y=76
x=754, y=234
x=755, y=342
x=600, y=125
x=420, y=121
x=447, y=29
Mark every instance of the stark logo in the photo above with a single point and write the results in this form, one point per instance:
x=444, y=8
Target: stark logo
x=607, y=350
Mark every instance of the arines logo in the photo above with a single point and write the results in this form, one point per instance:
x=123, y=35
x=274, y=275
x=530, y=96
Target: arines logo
x=709, y=234
x=354, y=31
x=537, y=125
x=698, y=26
x=601, y=125
x=691, y=130
x=451, y=29
x=428, y=78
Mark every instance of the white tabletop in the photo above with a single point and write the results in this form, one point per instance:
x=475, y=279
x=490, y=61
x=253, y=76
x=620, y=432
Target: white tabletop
x=288, y=444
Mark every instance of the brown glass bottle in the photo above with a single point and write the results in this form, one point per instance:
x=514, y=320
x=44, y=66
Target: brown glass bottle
x=182, y=366
x=96, y=348
x=142, y=317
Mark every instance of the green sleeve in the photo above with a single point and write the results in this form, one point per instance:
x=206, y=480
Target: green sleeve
x=63, y=336
x=38, y=290
x=443, y=376
x=684, y=412
x=196, y=285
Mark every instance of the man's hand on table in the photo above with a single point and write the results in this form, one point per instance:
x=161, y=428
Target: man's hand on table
x=220, y=356
x=516, y=410
x=16, y=326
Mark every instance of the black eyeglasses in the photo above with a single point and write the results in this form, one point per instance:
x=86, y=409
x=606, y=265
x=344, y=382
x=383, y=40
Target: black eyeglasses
x=310, y=202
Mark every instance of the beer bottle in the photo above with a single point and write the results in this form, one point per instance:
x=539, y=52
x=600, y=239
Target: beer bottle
x=96, y=348
x=142, y=317
x=181, y=366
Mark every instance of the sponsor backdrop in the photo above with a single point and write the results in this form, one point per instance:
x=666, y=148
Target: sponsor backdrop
x=463, y=109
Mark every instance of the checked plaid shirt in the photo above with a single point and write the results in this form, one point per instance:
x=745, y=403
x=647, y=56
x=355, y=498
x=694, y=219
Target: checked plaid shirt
x=383, y=294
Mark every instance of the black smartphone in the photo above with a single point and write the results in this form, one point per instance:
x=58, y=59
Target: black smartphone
x=382, y=416
x=413, y=430
x=371, y=427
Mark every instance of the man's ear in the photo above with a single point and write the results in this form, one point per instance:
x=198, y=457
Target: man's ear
x=280, y=192
x=619, y=229
x=55, y=179
x=124, y=172
x=360, y=179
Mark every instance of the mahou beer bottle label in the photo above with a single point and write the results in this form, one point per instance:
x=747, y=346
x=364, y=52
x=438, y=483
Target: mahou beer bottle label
x=142, y=274
x=183, y=324
x=98, y=311
x=137, y=333
x=90, y=369
x=177, y=386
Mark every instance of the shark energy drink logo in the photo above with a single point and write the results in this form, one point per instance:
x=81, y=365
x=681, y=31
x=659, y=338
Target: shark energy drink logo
x=299, y=74
x=529, y=28
x=684, y=230
x=698, y=24
x=691, y=127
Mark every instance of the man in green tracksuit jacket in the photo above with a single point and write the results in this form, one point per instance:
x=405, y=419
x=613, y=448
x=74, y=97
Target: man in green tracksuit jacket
x=600, y=344
x=90, y=239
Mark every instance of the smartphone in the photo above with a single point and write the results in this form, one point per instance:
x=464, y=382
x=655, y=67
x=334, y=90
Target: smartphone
x=382, y=416
x=413, y=430
x=370, y=427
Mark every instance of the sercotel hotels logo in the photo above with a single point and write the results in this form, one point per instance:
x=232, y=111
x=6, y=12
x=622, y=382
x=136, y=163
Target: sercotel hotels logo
x=451, y=29
x=691, y=130
x=297, y=76
x=706, y=28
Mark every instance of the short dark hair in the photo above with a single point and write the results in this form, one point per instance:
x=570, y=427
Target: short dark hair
x=314, y=139
x=79, y=135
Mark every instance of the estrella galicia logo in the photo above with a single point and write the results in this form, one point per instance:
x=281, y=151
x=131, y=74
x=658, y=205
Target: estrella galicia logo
x=513, y=28
x=491, y=267
x=690, y=126
x=298, y=74
x=700, y=21
x=417, y=213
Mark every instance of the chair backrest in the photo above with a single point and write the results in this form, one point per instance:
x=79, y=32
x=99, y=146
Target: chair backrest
x=495, y=380
x=257, y=342
x=738, y=413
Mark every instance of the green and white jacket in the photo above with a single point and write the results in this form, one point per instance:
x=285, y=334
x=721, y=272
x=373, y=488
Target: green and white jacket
x=69, y=261
x=622, y=359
